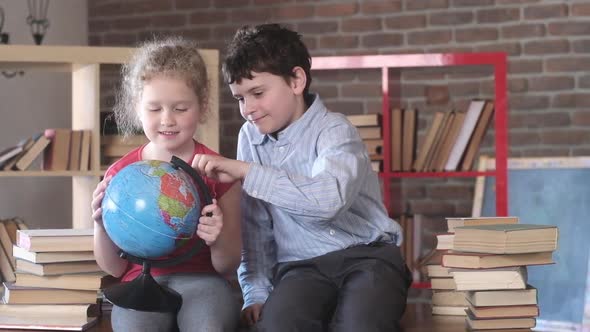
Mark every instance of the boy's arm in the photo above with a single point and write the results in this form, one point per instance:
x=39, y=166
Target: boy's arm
x=337, y=174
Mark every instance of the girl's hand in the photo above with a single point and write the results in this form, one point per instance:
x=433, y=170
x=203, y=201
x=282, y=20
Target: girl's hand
x=209, y=228
x=97, y=197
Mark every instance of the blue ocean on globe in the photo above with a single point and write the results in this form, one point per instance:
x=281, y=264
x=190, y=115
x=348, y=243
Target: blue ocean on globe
x=150, y=208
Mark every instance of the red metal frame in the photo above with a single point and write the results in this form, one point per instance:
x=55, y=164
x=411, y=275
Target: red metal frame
x=385, y=62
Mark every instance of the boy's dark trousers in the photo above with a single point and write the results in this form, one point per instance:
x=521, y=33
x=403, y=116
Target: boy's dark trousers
x=362, y=288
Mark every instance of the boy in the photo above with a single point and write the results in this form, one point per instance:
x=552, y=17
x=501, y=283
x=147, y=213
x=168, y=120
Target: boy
x=320, y=252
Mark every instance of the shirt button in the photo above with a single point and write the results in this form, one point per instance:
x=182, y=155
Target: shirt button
x=281, y=149
x=254, y=193
x=332, y=232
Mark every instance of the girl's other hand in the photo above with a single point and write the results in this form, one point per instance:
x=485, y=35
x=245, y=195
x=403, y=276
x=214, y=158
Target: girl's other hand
x=210, y=227
x=97, y=197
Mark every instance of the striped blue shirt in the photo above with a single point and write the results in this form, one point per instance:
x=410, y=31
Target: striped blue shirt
x=309, y=192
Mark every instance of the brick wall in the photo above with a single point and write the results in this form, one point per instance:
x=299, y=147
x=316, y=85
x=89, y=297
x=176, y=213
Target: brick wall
x=547, y=43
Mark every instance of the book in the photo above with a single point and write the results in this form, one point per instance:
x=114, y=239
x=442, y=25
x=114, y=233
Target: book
x=56, y=156
x=506, y=238
x=396, y=139
x=438, y=271
x=26, y=144
x=374, y=145
x=443, y=283
x=369, y=132
x=29, y=295
x=464, y=134
x=6, y=269
x=364, y=120
x=498, y=323
x=410, y=117
x=52, y=256
x=490, y=261
x=11, y=226
x=88, y=281
x=10, y=152
x=448, y=298
x=56, y=317
x=75, y=147
x=428, y=141
x=477, y=137
x=445, y=241
x=32, y=153
x=40, y=240
x=490, y=279
x=85, y=150
x=6, y=244
x=442, y=133
x=448, y=310
x=452, y=223
x=504, y=311
x=511, y=297
x=46, y=269
x=449, y=141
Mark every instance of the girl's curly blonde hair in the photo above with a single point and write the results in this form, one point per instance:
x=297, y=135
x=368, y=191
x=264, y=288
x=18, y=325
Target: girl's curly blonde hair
x=173, y=57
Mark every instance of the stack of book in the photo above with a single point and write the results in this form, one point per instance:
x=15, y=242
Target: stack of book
x=56, y=281
x=369, y=129
x=447, y=299
x=489, y=263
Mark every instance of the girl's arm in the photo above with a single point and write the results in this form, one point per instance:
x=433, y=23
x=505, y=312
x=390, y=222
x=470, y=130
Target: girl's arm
x=106, y=252
x=226, y=251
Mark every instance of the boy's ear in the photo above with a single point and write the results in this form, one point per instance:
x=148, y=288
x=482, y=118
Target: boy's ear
x=298, y=80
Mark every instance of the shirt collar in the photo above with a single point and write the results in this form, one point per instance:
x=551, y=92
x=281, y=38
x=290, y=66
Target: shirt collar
x=294, y=130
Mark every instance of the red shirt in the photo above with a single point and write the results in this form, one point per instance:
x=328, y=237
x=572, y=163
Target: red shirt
x=201, y=261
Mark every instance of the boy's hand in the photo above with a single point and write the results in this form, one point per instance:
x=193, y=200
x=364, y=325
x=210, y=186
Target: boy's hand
x=97, y=197
x=220, y=168
x=209, y=228
x=251, y=314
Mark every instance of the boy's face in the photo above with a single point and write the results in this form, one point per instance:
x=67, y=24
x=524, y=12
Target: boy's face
x=269, y=102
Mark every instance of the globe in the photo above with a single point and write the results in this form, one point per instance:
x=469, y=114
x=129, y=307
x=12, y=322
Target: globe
x=150, y=208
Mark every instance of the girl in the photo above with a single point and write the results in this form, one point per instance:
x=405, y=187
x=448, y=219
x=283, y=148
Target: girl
x=165, y=93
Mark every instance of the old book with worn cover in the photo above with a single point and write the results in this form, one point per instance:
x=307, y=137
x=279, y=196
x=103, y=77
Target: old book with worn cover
x=499, y=323
x=41, y=240
x=448, y=310
x=506, y=238
x=449, y=298
x=60, y=317
x=48, y=269
x=363, y=120
x=503, y=278
x=89, y=281
x=526, y=296
x=453, y=223
x=29, y=295
x=52, y=256
x=465, y=260
x=505, y=311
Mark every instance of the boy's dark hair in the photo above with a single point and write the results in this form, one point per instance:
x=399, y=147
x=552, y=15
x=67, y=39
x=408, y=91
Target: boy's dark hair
x=267, y=48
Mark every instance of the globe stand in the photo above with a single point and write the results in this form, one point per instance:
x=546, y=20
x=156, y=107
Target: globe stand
x=143, y=293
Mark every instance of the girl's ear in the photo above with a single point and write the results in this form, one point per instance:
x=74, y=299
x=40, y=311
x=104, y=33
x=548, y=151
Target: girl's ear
x=298, y=80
